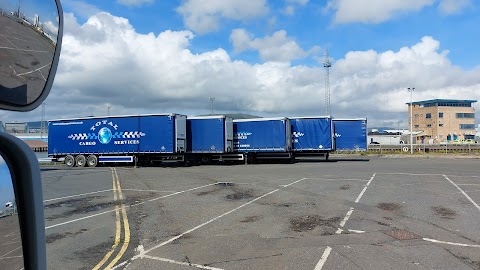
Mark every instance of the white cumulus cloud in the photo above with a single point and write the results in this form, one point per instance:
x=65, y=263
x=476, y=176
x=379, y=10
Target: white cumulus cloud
x=277, y=47
x=373, y=11
x=135, y=3
x=453, y=6
x=106, y=62
x=202, y=16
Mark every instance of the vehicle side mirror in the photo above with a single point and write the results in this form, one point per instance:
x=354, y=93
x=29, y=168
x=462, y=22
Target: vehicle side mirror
x=22, y=226
x=30, y=48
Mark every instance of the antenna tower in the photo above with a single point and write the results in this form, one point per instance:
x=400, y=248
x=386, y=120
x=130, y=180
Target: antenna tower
x=43, y=124
x=327, y=65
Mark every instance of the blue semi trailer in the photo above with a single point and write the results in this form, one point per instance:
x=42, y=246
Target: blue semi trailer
x=312, y=136
x=263, y=138
x=210, y=138
x=142, y=139
x=351, y=134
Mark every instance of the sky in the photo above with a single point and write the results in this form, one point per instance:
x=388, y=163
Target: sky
x=263, y=57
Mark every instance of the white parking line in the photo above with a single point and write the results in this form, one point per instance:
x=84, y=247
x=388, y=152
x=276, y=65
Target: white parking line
x=181, y=263
x=11, y=257
x=203, y=224
x=149, y=190
x=3, y=256
x=208, y=222
x=463, y=192
x=450, y=243
x=335, y=179
x=364, y=189
x=323, y=259
x=77, y=195
x=140, y=203
x=342, y=224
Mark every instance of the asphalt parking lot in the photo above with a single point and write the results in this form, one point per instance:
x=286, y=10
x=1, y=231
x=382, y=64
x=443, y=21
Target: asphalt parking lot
x=365, y=213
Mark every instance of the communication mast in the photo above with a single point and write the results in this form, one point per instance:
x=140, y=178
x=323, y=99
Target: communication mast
x=212, y=99
x=327, y=65
x=43, y=124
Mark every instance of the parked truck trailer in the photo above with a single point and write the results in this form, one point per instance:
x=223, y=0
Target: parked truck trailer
x=263, y=138
x=142, y=139
x=351, y=134
x=312, y=136
x=210, y=138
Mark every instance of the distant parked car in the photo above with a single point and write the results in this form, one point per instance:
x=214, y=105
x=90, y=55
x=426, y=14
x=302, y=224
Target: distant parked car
x=374, y=143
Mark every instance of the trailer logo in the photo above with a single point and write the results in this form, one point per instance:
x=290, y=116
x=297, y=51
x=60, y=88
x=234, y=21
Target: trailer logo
x=298, y=134
x=105, y=135
x=242, y=135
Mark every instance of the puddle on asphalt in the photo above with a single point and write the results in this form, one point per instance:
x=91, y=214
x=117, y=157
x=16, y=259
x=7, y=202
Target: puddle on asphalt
x=310, y=222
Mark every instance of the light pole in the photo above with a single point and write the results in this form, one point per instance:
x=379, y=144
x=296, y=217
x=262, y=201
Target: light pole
x=411, y=89
x=108, y=109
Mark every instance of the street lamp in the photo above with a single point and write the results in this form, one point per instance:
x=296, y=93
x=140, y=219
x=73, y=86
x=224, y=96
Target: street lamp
x=411, y=89
x=108, y=109
x=212, y=99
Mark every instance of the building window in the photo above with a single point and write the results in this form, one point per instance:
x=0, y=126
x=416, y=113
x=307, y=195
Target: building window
x=440, y=125
x=469, y=137
x=467, y=126
x=415, y=126
x=428, y=115
x=429, y=126
x=440, y=115
x=465, y=115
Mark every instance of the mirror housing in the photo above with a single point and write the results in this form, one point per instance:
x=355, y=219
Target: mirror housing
x=27, y=184
x=9, y=93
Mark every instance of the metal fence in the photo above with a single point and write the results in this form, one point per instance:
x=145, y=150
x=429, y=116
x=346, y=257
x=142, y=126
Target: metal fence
x=424, y=148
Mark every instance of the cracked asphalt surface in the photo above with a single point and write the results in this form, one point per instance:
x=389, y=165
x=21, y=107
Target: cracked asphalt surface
x=373, y=213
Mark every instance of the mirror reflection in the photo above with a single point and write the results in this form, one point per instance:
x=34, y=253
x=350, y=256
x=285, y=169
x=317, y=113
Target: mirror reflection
x=28, y=36
x=10, y=240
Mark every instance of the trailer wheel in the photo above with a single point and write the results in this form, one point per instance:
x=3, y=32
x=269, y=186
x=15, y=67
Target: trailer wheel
x=205, y=159
x=69, y=161
x=80, y=161
x=92, y=161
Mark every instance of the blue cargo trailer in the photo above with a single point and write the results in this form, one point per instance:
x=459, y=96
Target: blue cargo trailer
x=211, y=138
x=263, y=138
x=312, y=136
x=351, y=134
x=142, y=138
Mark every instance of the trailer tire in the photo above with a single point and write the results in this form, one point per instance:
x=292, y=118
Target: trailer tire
x=80, y=161
x=92, y=161
x=206, y=160
x=69, y=161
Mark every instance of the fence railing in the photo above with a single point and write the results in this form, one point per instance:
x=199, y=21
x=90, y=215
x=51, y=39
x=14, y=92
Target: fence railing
x=424, y=148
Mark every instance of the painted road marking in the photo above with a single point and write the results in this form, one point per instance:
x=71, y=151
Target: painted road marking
x=117, y=226
x=463, y=192
x=323, y=259
x=364, y=189
x=11, y=257
x=77, y=195
x=450, y=243
x=203, y=224
x=208, y=222
x=342, y=224
x=356, y=231
x=140, y=203
x=3, y=256
x=149, y=190
x=126, y=226
x=181, y=263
